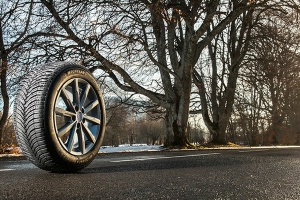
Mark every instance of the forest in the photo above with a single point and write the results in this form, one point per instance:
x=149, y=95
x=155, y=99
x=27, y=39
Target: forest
x=172, y=72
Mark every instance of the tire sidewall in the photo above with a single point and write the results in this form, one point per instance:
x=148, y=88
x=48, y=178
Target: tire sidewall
x=59, y=153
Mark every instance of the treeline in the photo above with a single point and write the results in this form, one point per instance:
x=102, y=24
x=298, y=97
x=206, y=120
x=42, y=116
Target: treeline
x=266, y=109
x=172, y=72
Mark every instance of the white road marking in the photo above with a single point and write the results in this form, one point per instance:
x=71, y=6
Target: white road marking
x=4, y=170
x=163, y=157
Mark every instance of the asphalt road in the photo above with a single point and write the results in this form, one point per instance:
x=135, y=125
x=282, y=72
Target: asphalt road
x=205, y=174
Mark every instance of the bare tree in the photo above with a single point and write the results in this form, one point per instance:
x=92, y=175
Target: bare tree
x=247, y=121
x=15, y=26
x=274, y=73
x=162, y=39
x=217, y=86
x=117, y=129
x=153, y=131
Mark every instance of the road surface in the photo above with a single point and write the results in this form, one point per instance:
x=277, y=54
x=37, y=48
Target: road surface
x=205, y=174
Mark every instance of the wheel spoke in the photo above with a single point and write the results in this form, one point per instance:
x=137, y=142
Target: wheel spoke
x=70, y=142
x=67, y=99
x=84, y=95
x=63, y=112
x=89, y=134
x=75, y=89
x=81, y=141
x=92, y=119
x=91, y=106
x=67, y=127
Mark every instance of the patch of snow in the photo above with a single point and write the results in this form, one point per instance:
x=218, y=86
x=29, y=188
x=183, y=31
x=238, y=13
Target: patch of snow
x=128, y=148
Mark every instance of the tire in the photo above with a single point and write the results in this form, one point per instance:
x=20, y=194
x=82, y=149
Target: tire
x=59, y=117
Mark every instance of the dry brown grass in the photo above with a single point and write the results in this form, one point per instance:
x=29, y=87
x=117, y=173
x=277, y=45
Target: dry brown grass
x=9, y=149
x=229, y=144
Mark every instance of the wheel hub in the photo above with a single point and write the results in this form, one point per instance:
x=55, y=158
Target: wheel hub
x=79, y=116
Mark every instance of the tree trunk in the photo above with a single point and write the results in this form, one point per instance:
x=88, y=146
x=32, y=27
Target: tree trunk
x=3, y=77
x=176, y=131
x=219, y=134
x=177, y=122
x=4, y=117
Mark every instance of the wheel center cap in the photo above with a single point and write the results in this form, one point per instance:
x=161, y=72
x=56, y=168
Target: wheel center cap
x=79, y=117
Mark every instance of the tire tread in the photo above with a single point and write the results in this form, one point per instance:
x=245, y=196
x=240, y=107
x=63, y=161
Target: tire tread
x=29, y=115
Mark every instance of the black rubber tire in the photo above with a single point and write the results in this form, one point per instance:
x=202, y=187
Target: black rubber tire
x=36, y=120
